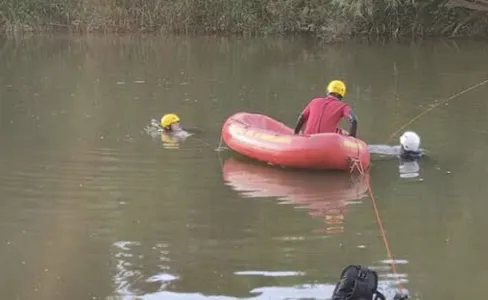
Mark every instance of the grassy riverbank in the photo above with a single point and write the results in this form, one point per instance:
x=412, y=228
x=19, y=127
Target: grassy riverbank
x=327, y=19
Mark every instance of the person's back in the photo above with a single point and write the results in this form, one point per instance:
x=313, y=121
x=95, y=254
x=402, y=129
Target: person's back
x=323, y=115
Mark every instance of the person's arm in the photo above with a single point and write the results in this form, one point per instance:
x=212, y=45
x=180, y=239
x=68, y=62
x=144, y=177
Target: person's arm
x=300, y=122
x=354, y=128
x=352, y=119
x=302, y=119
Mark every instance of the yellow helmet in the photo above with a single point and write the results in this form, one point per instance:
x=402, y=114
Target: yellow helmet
x=169, y=119
x=337, y=87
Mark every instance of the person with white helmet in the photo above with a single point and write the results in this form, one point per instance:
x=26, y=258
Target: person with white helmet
x=410, y=145
x=408, y=152
x=409, y=148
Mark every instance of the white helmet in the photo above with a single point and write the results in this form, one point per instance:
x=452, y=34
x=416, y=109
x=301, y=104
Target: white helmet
x=410, y=141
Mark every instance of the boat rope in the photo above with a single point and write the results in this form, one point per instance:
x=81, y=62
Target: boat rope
x=203, y=142
x=436, y=104
x=356, y=164
x=401, y=291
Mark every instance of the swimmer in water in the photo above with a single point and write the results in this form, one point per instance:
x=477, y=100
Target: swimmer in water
x=169, y=129
x=409, y=148
x=409, y=152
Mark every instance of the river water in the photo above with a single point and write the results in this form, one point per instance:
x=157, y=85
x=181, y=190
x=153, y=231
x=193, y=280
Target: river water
x=94, y=208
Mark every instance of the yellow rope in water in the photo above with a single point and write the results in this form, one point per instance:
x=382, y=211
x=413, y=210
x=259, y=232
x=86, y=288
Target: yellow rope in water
x=436, y=105
x=370, y=190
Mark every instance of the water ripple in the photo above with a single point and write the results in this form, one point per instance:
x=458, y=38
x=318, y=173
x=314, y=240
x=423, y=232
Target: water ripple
x=270, y=273
x=304, y=291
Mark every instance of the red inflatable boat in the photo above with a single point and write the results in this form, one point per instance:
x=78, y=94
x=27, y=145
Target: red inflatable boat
x=265, y=139
x=324, y=195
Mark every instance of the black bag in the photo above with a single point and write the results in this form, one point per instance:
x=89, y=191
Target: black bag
x=357, y=283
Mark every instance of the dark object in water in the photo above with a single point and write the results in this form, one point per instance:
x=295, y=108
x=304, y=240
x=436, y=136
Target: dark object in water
x=400, y=296
x=357, y=283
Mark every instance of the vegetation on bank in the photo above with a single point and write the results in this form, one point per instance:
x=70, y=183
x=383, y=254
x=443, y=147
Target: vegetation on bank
x=328, y=19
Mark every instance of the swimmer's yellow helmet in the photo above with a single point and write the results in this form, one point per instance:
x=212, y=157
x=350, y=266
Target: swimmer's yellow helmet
x=337, y=87
x=169, y=119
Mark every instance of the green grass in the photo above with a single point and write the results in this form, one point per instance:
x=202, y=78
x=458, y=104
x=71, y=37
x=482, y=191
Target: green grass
x=327, y=19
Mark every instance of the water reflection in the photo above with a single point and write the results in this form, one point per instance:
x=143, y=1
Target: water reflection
x=129, y=279
x=323, y=194
x=305, y=291
x=145, y=271
x=131, y=283
x=409, y=169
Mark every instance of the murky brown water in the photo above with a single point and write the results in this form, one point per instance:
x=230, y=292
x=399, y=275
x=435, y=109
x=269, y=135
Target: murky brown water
x=93, y=208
